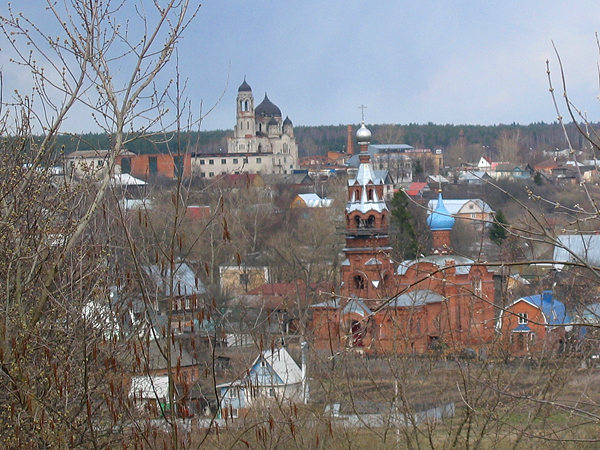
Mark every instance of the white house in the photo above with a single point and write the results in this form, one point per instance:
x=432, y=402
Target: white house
x=273, y=376
x=149, y=390
x=471, y=209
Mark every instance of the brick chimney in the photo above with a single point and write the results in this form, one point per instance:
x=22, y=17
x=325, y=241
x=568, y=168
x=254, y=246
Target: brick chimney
x=349, y=141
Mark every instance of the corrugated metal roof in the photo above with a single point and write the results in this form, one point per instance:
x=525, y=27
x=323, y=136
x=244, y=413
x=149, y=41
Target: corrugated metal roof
x=185, y=281
x=314, y=201
x=577, y=248
x=416, y=298
x=356, y=306
x=463, y=263
x=553, y=310
x=125, y=179
x=454, y=206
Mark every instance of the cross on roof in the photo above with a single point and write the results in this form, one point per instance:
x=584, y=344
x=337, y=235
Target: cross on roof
x=362, y=108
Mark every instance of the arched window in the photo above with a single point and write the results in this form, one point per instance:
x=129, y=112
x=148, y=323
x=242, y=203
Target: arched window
x=357, y=334
x=370, y=194
x=386, y=279
x=359, y=282
x=356, y=222
x=371, y=221
x=476, y=282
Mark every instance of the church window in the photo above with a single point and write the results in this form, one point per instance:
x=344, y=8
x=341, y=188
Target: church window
x=371, y=221
x=477, y=286
x=370, y=194
x=259, y=148
x=357, y=334
x=285, y=148
x=359, y=282
x=357, y=222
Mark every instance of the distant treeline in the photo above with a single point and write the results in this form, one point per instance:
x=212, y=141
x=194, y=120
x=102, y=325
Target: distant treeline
x=317, y=140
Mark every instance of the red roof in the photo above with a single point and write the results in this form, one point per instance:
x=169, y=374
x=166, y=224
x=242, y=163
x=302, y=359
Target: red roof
x=546, y=165
x=239, y=180
x=289, y=289
x=416, y=188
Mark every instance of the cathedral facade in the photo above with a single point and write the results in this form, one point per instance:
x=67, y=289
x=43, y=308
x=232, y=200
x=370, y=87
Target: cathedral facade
x=440, y=302
x=263, y=142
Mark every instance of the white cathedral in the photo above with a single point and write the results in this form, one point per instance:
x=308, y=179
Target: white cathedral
x=262, y=141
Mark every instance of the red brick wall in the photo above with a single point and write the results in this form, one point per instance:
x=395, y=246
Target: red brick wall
x=165, y=163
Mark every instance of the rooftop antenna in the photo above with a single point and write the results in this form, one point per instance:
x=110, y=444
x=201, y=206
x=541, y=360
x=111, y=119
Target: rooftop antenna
x=362, y=108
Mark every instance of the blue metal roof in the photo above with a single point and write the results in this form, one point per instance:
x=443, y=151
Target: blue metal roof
x=554, y=311
x=440, y=219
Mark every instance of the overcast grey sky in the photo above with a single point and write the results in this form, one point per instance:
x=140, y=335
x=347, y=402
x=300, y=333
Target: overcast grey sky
x=461, y=62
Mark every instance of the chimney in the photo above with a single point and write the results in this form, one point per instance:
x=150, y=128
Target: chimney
x=349, y=141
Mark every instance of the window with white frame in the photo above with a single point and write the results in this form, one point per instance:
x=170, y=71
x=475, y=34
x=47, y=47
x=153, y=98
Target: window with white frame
x=522, y=318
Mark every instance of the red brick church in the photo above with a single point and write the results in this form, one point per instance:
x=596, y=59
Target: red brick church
x=441, y=301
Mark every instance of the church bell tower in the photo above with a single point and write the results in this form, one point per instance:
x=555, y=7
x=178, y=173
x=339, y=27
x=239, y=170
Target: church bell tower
x=367, y=271
x=245, y=124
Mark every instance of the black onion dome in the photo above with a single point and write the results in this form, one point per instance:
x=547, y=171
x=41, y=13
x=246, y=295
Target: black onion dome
x=272, y=121
x=267, y=108
x=244, y=87
x=287, y=121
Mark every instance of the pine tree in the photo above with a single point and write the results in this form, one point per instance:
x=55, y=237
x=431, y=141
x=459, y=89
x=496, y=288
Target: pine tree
x=498, y=228
x=402, y=226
